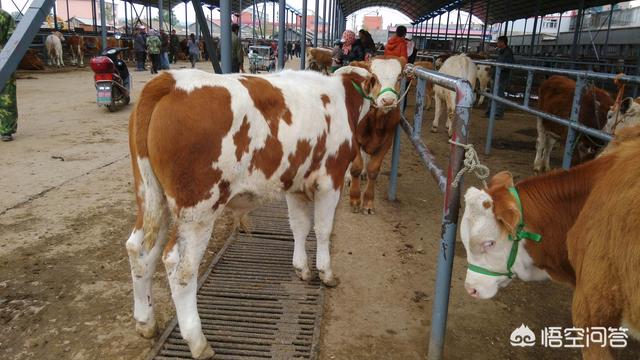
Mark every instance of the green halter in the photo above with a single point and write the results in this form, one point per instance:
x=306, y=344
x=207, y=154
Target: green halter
x=520, y=234
x=361, y=92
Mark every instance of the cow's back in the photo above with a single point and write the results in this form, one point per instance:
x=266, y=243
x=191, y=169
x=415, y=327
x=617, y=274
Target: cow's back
x=260, y=134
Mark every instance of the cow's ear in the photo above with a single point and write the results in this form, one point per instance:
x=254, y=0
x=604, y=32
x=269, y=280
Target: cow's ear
x=505, y=209
x=503, y=178
x=625, y=105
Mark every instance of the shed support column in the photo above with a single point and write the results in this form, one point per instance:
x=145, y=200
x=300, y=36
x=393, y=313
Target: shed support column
x=469, y=29
x=315, y=24
x=455, y=36
x=324, y=22
x=576, y=32
x=225, y=35
x=484, y=26
x=160, y=19
x=446, y=31
x=533, y=35
x=253, y=21
x=439, y=23
x=603, y=50
x=303, y=42
x=103, y=23
x=55, y=17
x=281, y=30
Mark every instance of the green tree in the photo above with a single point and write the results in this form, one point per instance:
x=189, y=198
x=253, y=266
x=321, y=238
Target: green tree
x=165, y=18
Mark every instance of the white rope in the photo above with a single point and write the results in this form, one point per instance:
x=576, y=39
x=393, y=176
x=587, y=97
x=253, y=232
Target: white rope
x=471, y=164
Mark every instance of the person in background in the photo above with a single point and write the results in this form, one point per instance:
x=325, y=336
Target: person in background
x=154, y=46
x=397, y=45
x=336, y=56
x=351, y=50
x=505, y=55
x=175, y=47
x=164, y=50
x=237, y=55
x=194, y=50
x=8, y=100
x=366, y=42
x=289, y=50
x=140, y=48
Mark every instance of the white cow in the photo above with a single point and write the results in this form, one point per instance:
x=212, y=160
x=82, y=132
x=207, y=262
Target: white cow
x=459, y=66
x=53, y=44
x=484, y=79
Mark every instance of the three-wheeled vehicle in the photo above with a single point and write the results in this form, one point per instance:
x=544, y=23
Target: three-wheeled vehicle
x=261, y=58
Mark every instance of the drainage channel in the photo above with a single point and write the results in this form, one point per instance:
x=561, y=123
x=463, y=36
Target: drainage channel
x=251, y=303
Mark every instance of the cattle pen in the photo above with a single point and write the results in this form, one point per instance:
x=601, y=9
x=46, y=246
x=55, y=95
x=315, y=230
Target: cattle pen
x=68, y=202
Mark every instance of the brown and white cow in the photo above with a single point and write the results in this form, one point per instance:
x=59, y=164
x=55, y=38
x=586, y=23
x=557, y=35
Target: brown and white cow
x=375, y=132
x=53, y=45
x=555, y=96
x=76, y=44
x=459, y=66
x=319, y=59
x=201, y=142
x=588, y=237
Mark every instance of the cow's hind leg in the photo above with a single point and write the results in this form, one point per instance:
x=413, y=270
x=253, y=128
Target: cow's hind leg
x=143, y=259
x=538, y=163
x=182, y=256
x=438, y=113
x=300, y=222
x=354, y=188
x=325, y=203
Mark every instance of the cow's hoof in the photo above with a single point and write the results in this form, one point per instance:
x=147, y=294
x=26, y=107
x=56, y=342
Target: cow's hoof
x=355, y=208
x=146, y=329
x=434, y=129
x=363, y=177
x=304, y=274
x=206, y=353
x=329, y=281
x=369, y=211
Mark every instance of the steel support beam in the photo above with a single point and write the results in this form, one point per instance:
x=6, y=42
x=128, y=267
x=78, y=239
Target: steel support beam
x=22, y=36
x=315, y=24
x=160, y=16
x=603, y=50
x=303, y=42
x=484, y=26
x=253, y=21
x=576, y=32
x=55, y=17
x=469, y=28
x=446, y=31
x=281, y=30
x=225, y=34
x=324, y=22
x=533, y=34
x=103, y=24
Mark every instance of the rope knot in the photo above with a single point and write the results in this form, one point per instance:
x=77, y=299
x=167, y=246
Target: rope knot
x=471, y=163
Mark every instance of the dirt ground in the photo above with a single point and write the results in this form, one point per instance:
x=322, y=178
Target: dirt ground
x=66, y=210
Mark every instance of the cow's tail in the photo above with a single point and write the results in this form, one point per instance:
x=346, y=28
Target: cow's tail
x=151, y=194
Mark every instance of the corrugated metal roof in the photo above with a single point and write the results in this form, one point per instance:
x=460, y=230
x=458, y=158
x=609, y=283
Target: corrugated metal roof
x=416, y=10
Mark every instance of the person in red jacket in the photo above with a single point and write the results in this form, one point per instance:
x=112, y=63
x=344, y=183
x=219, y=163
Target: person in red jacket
x=397, y=44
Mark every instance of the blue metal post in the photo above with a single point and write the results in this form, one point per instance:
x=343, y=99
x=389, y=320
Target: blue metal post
x=449, y=223
x=315, y=24
x=324, y=22
x=417, y=117
x=281, y=30
x=303, y=30
x=225, y=22
x=395, y=154
x=492, y=113
x=19, y=42
x=225, y=35
x=103, y=24
x=571, y=135
x=527, y=90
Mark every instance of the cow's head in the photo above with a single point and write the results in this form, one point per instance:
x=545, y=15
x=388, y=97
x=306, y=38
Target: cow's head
x=488, y=228
x=59, y=35
x=386, y=72
x=622, y=115
x=360, y=79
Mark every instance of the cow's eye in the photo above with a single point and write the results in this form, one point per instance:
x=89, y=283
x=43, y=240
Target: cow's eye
x=488, y=245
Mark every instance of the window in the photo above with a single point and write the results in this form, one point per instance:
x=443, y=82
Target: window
x=550, y=24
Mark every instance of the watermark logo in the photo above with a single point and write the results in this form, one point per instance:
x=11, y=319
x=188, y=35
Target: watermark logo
x=558, y=337
x=522, y=336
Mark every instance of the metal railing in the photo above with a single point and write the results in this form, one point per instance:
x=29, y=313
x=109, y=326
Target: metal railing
x=464, y=102
x=572, y=123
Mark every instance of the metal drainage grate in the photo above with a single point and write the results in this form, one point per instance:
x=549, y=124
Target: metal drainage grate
x=251, y=303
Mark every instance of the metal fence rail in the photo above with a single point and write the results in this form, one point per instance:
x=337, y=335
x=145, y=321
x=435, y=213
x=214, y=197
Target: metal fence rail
x=572, y=123
x=464, y=102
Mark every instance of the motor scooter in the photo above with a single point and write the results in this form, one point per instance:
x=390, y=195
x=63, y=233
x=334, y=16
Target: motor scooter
x=112, y=79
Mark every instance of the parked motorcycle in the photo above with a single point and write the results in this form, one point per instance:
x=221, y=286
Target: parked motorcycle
x=112, y=79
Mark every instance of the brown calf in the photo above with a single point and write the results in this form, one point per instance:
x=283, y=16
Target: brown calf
x=556, y=97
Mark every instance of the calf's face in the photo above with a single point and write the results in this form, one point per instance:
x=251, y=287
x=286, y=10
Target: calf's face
x=385, y=81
